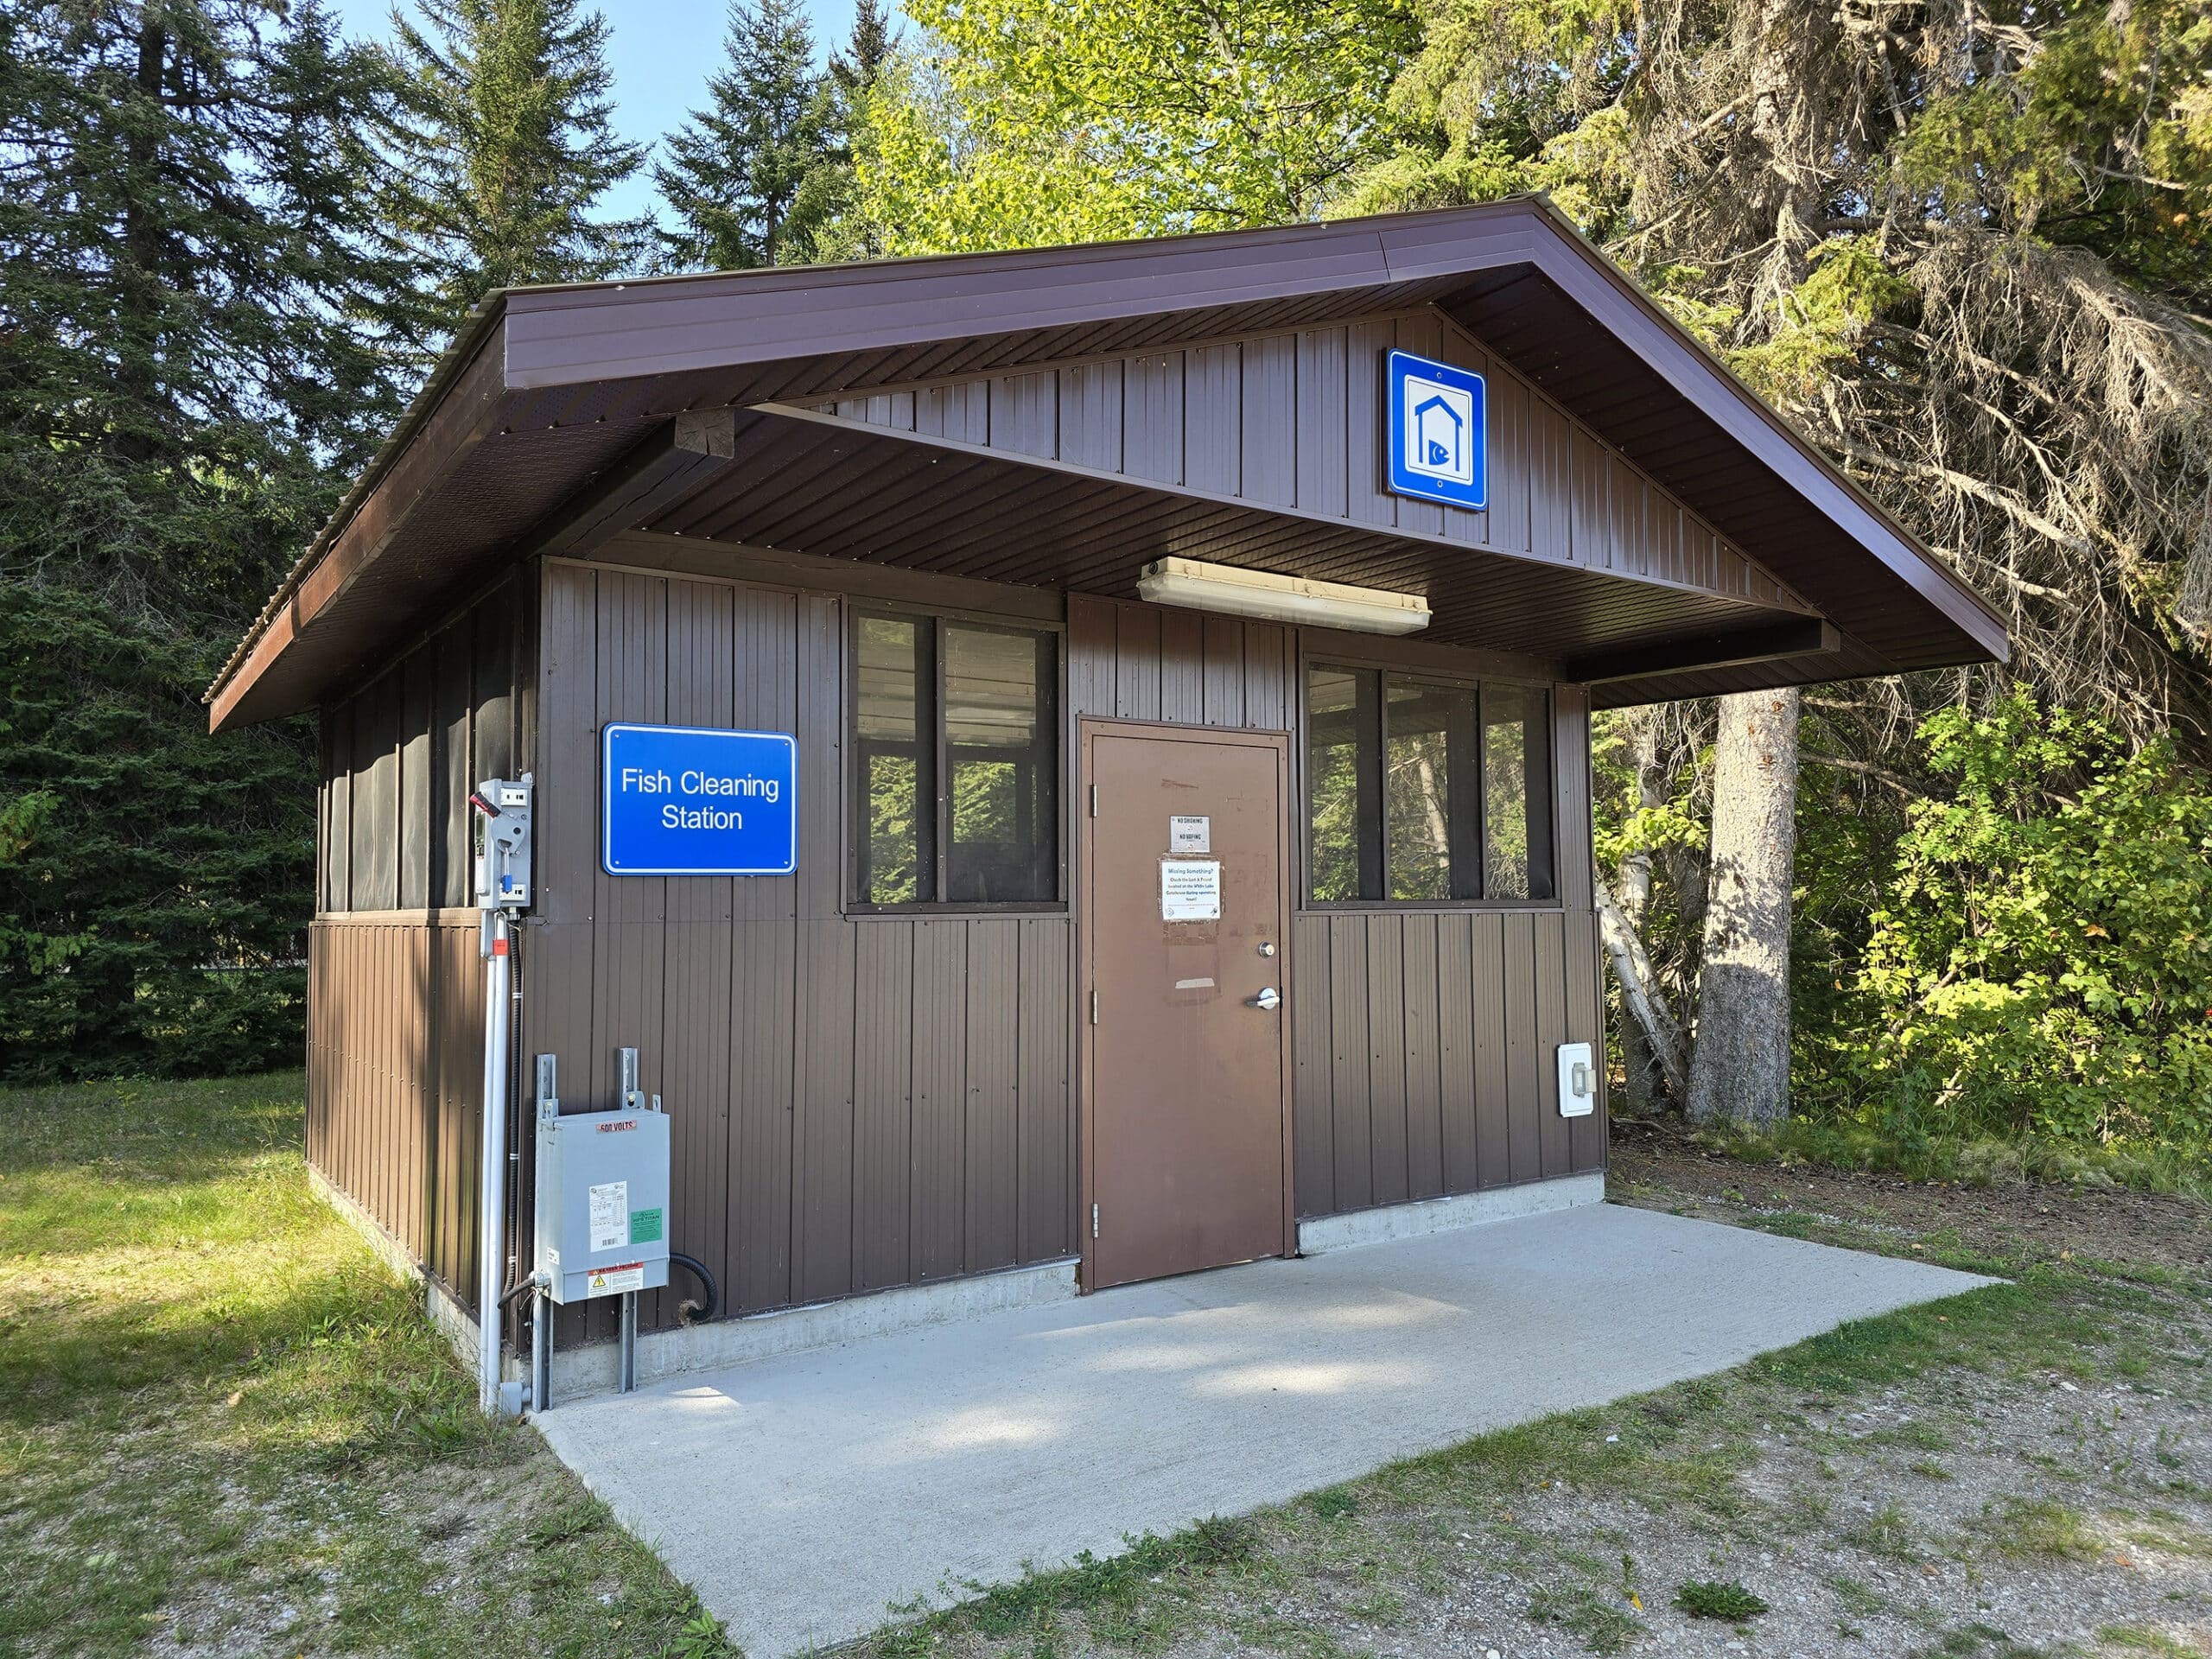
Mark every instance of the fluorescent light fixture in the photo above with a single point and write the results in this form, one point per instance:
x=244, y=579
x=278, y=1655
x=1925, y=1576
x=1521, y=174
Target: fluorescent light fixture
x=1281, y=599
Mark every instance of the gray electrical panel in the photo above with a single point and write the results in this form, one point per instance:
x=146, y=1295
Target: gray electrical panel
x=602, y=1199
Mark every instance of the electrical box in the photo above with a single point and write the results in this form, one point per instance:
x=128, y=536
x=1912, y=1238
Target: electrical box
x=503, y=815
x=602, y=1202
x=1578, y=1080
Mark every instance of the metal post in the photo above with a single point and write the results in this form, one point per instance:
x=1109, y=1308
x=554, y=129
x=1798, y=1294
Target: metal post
x=629, y=1382
x=541, y=1304
x=493, y=1178
x=541, y=1353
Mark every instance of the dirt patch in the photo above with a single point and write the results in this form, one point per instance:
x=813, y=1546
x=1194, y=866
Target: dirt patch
x=1657, y=1160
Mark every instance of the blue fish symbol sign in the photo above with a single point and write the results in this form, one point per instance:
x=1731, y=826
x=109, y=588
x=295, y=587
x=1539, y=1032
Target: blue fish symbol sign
x=1436, y=431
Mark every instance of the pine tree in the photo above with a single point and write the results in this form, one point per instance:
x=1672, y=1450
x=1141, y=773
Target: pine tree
x=823, y=217
x=736, y=169
x=195, y=314
x=509, y=145
x=856, y=70
x=200, y=336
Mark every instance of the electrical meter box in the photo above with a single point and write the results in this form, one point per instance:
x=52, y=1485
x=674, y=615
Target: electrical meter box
x=602, y=1202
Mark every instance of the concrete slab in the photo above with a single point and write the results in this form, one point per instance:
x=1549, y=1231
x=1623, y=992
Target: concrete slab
x=804, y=1496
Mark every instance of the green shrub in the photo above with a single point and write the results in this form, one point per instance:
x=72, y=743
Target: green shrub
x=2042, y=964
x=155, y=882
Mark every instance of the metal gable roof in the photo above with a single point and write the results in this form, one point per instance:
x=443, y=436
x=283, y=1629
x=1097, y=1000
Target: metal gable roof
x=550, y=392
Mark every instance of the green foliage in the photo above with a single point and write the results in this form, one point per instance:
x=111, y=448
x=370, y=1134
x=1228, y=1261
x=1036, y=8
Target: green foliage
x=2042, y=959
x=737, y=171
x=1818, y=326
x=205, y=329
x=2101, y=138
x=196, y=302
x=893, y=831
x=508, y=142
x=154, y=880
x=1711, y=1599
x=1027, y=121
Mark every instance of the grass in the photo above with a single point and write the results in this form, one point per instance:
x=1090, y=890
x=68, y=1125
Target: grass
x=1971, y=1160
x=1712, y=1598
x=223, y=1422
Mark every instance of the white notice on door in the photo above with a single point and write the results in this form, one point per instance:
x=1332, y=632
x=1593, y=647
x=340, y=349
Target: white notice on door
x=1192, y=835
x=610, y=1216
x=1190, y=889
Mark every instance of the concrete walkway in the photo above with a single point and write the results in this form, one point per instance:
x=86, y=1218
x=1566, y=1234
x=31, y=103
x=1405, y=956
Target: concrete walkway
x=803, y=1495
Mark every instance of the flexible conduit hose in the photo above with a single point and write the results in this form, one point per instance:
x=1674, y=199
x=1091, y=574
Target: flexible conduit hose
x=699, y=1271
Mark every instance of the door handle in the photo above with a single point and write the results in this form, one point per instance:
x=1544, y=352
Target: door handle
x=1267, y=1000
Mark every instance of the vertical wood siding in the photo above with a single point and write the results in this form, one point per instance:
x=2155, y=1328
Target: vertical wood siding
x=1291, y=420
x=400, y=755
x=396, y=998
x=395, y=1081
x=858, y=1102
x=1422, y=1041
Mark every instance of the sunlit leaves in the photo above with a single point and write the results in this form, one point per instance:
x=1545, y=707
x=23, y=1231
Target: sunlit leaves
x=1025, y=122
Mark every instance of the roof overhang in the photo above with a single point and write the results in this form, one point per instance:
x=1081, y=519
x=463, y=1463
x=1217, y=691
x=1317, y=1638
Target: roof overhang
x=564, y=414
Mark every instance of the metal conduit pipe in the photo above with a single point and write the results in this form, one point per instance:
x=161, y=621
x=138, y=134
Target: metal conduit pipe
x=493, y=1178
x=541, y=1353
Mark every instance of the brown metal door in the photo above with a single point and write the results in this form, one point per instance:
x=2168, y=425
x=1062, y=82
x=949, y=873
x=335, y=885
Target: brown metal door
x=1188, y=1134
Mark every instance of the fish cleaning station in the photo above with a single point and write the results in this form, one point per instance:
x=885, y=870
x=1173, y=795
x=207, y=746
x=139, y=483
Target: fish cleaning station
x=866, y=804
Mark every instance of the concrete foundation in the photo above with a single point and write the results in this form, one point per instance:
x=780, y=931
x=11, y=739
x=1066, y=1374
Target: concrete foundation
x=1427, y=1216
x=584, y=1372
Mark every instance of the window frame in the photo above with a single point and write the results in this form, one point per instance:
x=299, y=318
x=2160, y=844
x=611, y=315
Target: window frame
x=853, y=804
x=1423, y=674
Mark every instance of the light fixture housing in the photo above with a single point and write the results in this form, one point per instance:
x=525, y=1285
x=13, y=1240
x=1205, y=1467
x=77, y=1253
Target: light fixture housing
x=1204, y=587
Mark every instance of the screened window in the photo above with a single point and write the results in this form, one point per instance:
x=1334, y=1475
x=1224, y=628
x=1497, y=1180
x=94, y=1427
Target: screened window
x=956, y=763
x=1423, y=792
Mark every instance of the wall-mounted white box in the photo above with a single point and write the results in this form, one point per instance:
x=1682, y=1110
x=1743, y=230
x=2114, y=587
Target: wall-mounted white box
x=1578, y=1080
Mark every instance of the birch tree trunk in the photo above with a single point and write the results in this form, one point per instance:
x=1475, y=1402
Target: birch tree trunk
x=1650, y=1021
x=1648, y=1080
x=1739, y=1064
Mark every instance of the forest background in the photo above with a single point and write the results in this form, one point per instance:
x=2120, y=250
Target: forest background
x=1959, y=920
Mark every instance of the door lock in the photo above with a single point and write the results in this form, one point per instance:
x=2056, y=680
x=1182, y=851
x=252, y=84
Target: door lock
x=1266, y=947
x=1268, y=1000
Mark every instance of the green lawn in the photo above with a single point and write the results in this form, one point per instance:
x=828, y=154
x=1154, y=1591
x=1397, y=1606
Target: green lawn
x=224, y=1422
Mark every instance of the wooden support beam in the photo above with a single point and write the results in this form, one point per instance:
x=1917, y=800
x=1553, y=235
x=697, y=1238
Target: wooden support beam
x=673, y=461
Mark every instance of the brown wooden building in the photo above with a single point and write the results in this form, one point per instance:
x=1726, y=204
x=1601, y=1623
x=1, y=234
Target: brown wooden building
x=900, y=511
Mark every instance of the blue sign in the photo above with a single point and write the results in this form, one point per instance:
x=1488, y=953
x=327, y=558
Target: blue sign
x=1440, y=448
x=681, y=800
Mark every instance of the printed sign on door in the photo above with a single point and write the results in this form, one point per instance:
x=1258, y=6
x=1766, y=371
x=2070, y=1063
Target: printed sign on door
x=1190, y=889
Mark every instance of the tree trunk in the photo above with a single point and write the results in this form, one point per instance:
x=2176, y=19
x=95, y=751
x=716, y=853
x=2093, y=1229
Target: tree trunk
x=1648, y=1084
x=1651, y=1022
x=1740, y=1065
